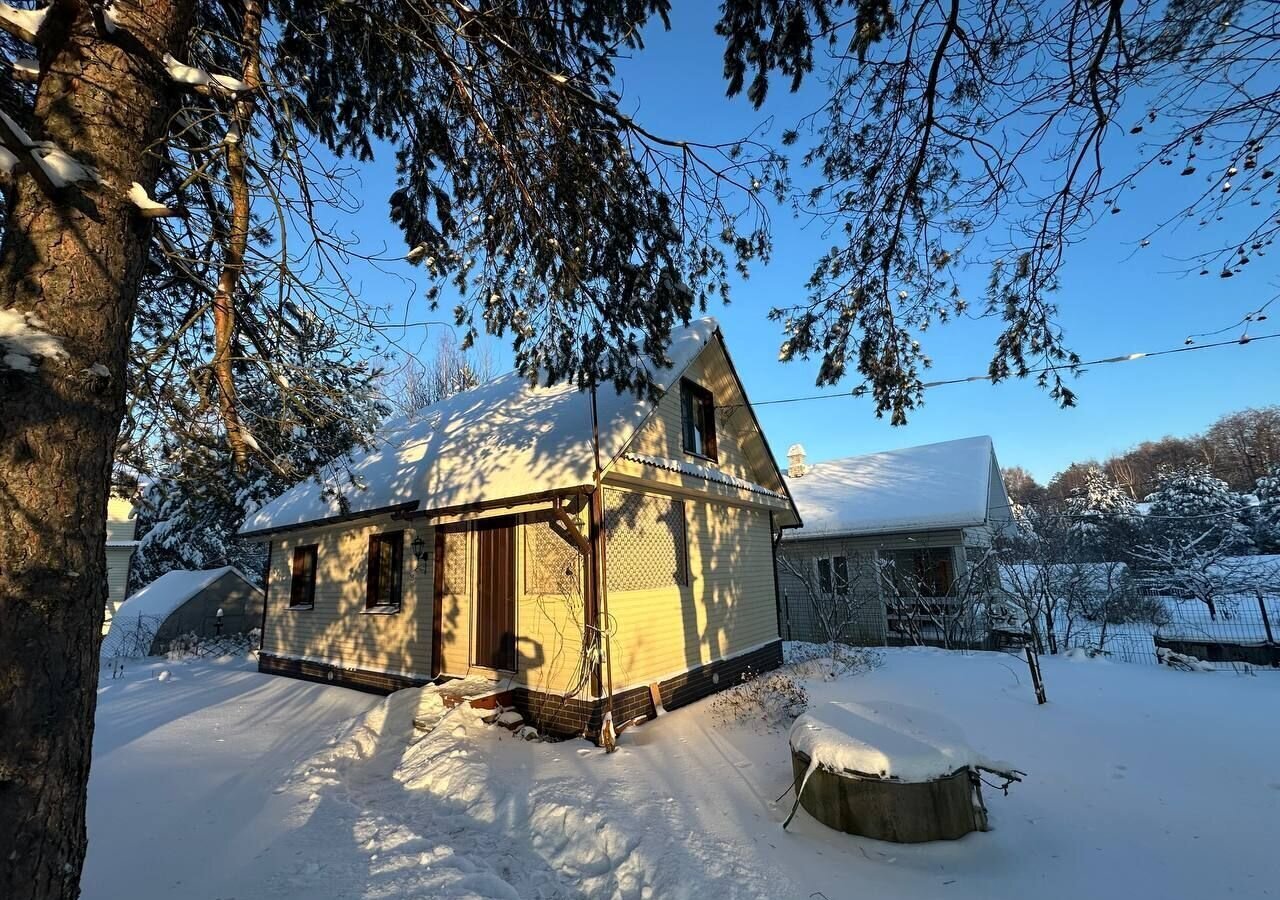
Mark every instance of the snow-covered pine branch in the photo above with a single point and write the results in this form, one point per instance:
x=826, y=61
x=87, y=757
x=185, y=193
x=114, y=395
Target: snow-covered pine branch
x=148, y=208
x=53, y=165
x=26, y=69
x=24, y=24
x=201, y=80
x=24, y=341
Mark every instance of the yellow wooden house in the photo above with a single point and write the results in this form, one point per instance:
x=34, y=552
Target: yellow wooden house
x=588, y=552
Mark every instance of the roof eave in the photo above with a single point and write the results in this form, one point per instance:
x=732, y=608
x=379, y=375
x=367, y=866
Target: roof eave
x=768, y=451
x=881, y=532
x=262, y=534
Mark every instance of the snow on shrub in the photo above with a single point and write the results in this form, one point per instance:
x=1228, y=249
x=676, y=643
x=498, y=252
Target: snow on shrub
x=828, y=661
x=773, y=700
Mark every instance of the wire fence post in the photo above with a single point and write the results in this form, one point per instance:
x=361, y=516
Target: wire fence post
x=1266, y=621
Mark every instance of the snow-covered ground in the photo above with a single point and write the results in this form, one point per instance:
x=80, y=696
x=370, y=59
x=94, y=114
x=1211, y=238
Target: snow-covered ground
x=216, y=781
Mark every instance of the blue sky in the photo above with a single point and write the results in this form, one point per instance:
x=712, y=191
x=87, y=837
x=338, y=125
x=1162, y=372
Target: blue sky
x=1115, y=300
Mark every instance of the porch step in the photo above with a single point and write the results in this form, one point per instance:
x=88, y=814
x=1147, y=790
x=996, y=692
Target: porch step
x=479, y=693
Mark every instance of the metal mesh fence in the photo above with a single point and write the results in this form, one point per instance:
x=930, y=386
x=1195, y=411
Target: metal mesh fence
x=1241, y=632
x=130, y=636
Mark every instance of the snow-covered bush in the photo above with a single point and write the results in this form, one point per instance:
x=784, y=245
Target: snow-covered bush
x=772, y=701
x=829, y=661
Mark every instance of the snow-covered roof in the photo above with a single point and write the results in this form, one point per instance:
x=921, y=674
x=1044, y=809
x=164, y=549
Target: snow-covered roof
x=943, y=485
x=501, y=440
x=172, y=589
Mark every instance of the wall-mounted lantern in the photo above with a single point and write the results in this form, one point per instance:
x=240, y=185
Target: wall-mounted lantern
x=419, y=548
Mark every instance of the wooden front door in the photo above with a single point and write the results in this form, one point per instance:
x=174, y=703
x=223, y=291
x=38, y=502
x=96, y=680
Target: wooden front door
x=495, y=597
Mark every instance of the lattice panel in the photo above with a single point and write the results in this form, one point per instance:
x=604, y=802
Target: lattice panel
x=551, y=563
x=647, y=542
x=454, y=582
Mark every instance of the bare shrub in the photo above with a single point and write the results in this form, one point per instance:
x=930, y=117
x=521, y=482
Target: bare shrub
x=772, y=701
x=830, y=661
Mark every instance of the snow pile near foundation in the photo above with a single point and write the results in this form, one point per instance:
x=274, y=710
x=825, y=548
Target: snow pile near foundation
x=472, y=810
x=885, y=740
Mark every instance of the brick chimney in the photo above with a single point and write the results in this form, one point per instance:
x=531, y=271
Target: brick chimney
x=795, y=461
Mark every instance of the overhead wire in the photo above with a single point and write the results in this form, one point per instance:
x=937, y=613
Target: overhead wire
x=861, y=390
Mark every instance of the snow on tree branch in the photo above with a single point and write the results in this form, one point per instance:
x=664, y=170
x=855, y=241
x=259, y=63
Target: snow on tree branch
x=26, y=70
x=24, y=24
x=24, y=341
x=56, y=166
x=199, y=78
x=149, y=208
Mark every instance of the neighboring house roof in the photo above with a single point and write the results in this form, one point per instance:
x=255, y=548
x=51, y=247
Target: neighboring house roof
x=502, y=440
x=172, y=589
x=120, y=523
x=953, y=484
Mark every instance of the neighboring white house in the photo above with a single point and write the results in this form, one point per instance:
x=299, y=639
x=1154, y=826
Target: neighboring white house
x=930, y=510
x=120, y=547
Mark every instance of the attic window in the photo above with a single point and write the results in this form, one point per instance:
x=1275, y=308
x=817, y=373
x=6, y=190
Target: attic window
x=302, y=588
x=698, y=419
x=386, y=555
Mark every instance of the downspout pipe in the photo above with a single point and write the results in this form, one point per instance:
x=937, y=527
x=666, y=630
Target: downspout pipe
x=608, y=732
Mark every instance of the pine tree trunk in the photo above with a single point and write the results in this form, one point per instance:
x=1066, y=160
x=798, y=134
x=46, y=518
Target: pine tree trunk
x=76, y=260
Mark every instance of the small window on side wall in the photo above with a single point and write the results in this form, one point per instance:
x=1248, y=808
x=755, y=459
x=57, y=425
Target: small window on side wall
x=698, y=419
x=302, y=588
x=386, y=557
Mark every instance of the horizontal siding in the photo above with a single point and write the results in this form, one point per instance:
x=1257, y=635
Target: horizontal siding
x=808, y=616
x=121, y=522
x=739, y=448
x=118, y=559
x=727, y=608
x=797, y=581
x=338, y=629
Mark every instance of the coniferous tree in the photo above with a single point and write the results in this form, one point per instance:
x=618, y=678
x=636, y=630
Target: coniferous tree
x=1189, y=503
x=1101, y=519
x=176, y=186
x=1266, y=515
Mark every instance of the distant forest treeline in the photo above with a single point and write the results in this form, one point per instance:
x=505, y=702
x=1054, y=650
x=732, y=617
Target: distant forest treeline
x=1238, y=448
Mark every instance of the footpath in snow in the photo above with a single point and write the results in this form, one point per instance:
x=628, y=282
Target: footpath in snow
x=220, y=782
